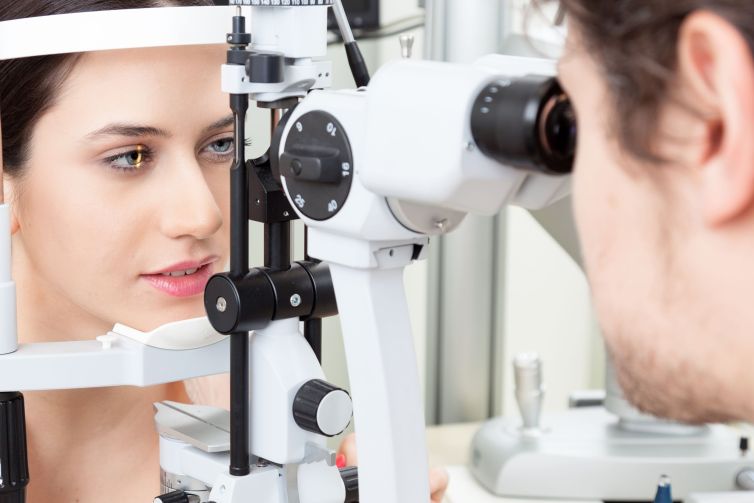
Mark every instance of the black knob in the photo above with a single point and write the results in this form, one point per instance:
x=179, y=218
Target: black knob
x=177, y=497
x=265, y=68
x=14, y=464
x=350, y=478
x=320, y=407
x=312, y=164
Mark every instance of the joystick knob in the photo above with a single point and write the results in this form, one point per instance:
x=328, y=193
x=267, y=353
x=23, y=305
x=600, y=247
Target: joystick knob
x=529, y=388
x=320, y=407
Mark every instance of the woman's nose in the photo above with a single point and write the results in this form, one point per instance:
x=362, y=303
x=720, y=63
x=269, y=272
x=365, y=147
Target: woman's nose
x=189, y=207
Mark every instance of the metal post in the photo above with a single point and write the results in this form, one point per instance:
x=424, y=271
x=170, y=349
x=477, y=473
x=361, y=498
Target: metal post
x=466, y=303
x=239, y=267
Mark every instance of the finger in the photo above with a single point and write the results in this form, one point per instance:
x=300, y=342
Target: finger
x=438, y=483
x=348, y=449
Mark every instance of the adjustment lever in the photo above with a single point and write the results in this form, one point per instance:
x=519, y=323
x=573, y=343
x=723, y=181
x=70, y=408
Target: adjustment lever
x=177, y=497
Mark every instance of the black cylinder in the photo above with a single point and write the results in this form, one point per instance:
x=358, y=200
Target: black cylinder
x=303, y=290
x=235, y=305
x=325, y=304
x=14, y=463
x=527, y=123
x=350, y=478
x=239, y=37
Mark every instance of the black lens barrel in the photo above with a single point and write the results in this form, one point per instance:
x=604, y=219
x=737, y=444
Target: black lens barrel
x=526, y=123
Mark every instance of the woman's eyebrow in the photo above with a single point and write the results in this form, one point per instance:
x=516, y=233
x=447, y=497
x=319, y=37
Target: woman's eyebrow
x=130, y=130
x=220, y=124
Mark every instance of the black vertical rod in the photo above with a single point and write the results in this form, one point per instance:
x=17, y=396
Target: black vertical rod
x=277, y=235
x=313, y=335
x=277, y=246
x=239, y=267
x=312, y=327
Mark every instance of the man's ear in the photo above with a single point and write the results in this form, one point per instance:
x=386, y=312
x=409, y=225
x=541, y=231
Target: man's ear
x=715, y=65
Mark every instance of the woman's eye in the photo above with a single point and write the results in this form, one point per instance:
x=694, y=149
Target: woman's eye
x=132, y=160
x=222, y=146
x=220, y=149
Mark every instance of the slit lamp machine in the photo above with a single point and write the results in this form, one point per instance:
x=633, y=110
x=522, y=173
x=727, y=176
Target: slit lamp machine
x=374, y=173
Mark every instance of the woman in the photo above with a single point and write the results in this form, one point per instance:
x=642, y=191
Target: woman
x=117, y=170
x=664, y=195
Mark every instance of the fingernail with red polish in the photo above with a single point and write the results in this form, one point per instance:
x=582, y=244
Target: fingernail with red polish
x=340, y=461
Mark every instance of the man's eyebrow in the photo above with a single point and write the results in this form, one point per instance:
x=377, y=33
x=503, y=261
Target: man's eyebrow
x=221, y=124
x=130, y=130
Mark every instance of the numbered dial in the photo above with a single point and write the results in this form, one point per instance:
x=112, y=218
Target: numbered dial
x=317, y=165
x=282, y=3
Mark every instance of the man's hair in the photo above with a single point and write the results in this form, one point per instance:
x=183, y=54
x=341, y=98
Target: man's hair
x=635, y=44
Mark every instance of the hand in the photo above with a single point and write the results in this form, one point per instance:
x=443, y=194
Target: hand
x=438, y=477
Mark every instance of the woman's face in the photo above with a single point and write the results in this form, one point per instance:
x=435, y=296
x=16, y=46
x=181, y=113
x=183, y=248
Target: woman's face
x=123, y=207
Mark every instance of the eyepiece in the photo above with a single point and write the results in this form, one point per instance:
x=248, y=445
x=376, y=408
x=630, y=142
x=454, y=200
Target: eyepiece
x=526, y=123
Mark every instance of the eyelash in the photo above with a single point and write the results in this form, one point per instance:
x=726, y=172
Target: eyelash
x=146, y=155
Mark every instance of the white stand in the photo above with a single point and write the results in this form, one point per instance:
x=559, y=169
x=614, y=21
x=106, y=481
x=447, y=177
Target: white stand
x=585, y=454
x=297, y=467
x=385, y=382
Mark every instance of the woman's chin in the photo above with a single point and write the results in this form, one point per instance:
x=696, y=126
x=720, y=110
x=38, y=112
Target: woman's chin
x=151, y=321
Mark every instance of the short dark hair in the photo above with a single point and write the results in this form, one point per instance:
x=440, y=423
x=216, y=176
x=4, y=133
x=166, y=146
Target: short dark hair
x=635, y=44
x=29, y=86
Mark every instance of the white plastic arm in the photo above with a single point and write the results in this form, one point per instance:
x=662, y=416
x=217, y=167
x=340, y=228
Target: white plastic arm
x=384, y=383
x=8, y=337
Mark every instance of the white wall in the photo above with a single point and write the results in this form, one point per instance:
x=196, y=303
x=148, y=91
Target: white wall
x=547, y=311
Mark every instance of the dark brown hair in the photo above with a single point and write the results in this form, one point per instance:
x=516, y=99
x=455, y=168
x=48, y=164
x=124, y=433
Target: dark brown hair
x=29, y=86
x=634, y=42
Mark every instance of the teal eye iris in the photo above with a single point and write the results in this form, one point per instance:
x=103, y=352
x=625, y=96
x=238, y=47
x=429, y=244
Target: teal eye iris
x=222, y=146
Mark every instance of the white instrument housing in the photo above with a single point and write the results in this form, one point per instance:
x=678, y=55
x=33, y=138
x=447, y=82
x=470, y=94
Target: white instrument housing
x=419, y=146
x=409, y=139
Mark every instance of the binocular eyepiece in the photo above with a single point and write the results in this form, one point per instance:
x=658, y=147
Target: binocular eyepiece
x=527, y=123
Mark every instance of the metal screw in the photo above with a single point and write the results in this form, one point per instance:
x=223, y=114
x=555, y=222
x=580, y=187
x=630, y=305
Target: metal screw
x=469, y=146
x=286, y=214
x=222, y=304
x=295, y=300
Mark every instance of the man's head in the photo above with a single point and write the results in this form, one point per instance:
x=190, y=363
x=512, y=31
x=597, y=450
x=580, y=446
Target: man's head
x=664, y=195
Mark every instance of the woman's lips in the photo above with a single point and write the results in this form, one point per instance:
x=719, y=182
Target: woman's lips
x=181, y=286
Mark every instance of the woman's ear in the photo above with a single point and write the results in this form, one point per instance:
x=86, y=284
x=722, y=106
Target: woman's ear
x=715, y=65
x=9, y=197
